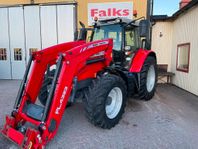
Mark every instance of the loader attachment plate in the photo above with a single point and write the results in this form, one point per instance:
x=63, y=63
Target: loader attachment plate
x=30, y=139
x=13, y=138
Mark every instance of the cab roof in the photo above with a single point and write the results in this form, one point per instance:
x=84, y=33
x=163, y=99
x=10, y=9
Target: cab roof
x=111, y=21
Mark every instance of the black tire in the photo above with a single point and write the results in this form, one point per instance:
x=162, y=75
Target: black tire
x=45, y=89
x=96, y=98
x=144, y=93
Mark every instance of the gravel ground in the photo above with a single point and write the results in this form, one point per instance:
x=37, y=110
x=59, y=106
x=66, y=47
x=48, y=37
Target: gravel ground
x=169, y=121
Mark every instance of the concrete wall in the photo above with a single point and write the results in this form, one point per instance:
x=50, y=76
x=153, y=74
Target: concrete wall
x=185, y=30
x=162, y=45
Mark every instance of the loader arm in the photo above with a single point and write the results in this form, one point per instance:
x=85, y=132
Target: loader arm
x=43, y=59
x=76, y=64
x=74, y=60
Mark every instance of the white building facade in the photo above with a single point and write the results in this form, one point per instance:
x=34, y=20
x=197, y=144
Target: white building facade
x=175, y=40
x=28, y=28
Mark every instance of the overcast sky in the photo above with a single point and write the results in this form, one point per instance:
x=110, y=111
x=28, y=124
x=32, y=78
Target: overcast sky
x=165, y=7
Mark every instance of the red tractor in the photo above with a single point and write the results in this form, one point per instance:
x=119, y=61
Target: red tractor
x=114, y=65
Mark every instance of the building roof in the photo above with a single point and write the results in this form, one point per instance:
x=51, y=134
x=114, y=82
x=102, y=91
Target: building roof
x=185, y=8
x=176, y=14
x=160, y=17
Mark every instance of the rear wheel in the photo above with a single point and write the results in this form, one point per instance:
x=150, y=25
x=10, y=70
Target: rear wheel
x=105, y=101
x=148, y=79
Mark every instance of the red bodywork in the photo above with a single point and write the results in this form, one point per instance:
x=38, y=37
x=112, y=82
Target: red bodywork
x=75, y=56
x=139, y=58
x=74, y=65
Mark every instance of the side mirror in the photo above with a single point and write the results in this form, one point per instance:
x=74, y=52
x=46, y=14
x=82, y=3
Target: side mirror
x=127, y=48
x=83, y=32
x=145, y=44
x=144, y=28
x=82, y=24
x=76, y=35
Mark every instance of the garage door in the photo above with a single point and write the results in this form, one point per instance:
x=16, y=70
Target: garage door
x=5, y=67
x=17, y=42
x=30, y=28
x=48, y=26
x=64, y=20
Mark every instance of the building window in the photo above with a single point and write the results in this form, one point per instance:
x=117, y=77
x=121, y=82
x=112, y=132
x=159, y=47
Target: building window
x=31, y=50
x=3, y=54
x=183, y=57
x=17, y=54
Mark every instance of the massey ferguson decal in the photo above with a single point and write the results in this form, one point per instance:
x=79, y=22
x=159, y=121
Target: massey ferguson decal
x=61, y=100
x=94, y=45
x=109, y=10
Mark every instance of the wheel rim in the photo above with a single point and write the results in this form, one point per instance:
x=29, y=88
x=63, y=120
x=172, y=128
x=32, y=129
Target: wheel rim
x=150, y=82
x=113, y=103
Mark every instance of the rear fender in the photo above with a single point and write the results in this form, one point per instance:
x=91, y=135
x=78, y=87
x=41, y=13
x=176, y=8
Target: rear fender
x=139, y=58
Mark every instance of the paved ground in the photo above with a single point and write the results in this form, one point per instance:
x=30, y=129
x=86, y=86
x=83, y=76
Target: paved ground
x=168, y=121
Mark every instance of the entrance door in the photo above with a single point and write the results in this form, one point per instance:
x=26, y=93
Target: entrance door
x=17, y=42
x=5, y=69
x=32, y=30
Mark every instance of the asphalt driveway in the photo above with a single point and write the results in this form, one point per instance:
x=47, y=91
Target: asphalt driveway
x=168, y=121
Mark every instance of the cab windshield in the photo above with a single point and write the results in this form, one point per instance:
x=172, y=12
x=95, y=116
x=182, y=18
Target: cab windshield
x=109, y=31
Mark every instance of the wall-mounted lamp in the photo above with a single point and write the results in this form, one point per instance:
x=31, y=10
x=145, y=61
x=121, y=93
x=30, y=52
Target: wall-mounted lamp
x=135, y=13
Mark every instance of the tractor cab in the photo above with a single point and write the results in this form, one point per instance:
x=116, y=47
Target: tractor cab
x=126, y=35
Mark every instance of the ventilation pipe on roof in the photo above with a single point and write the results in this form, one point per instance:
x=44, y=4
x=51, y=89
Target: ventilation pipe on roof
x=183, y=3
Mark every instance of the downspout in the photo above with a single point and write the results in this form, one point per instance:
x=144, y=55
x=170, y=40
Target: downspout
x=149, y=18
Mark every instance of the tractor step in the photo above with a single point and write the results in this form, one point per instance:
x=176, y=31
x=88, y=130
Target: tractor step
x=35, y=111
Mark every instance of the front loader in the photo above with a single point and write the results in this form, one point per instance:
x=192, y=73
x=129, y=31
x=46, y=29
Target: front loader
x=114, y=65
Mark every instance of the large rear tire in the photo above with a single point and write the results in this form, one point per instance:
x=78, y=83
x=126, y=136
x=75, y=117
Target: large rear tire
x=148, y=79
x=105, y=101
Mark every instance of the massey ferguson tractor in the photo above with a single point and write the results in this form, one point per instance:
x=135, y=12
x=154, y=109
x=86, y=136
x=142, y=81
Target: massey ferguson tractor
x=115, y=64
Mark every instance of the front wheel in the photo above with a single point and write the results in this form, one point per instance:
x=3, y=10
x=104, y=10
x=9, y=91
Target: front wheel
x=148, y=79
x=45, y=89
x=105, y=101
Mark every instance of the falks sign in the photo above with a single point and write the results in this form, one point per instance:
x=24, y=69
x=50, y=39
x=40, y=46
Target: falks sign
x=109, y=10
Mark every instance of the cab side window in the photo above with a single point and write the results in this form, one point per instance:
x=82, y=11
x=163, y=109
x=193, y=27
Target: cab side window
x=131, y=39
x=116, y=36
x=99, y=34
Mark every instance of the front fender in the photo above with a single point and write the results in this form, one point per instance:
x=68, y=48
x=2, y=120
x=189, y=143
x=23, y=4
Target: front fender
x=139, y=58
